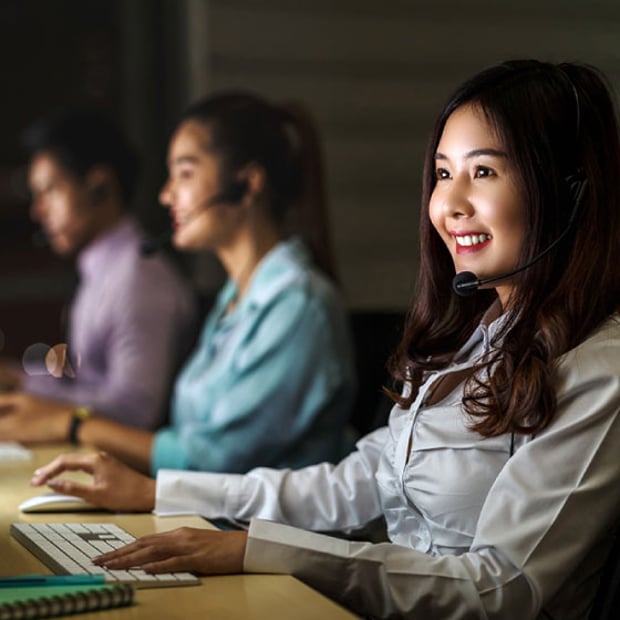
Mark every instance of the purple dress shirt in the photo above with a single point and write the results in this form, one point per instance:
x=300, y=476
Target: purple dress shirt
x=131, y=323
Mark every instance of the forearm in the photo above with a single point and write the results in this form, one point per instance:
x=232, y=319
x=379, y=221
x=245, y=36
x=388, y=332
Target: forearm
x=130, y=445
x=320, y=497
x=113, y=398
x=388, y=581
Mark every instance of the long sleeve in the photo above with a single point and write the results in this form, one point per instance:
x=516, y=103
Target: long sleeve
x=131, y=324
x=322, y=497
x=128, y=378
x=539, y=538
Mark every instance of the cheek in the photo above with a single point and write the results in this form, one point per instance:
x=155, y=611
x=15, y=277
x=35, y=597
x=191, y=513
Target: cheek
x=193, y=198
x=65, y=206
x=512, y=221
x=435, y=215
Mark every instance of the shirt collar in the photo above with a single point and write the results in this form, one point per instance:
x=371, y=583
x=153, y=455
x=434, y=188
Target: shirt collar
x=101, y=251
x=493, y=320
x=275, y=272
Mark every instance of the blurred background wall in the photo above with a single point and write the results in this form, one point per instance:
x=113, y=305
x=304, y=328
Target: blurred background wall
x=373, y=73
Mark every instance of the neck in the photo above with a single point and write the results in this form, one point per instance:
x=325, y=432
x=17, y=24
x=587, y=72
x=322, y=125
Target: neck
x=243, y=257
x=109, y=219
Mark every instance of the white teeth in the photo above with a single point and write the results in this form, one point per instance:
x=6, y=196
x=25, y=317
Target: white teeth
x=469, y=240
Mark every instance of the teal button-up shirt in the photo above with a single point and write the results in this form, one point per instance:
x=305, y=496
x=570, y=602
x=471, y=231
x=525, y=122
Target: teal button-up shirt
x=271, y=383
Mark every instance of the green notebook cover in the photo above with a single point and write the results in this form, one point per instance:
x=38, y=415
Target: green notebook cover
x=52, y=600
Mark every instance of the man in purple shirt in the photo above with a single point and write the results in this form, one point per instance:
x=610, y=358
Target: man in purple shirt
x=132, y=319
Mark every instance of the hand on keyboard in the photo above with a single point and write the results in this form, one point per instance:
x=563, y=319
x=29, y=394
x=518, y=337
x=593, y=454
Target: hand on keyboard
x=184, y=549
x=69, y=548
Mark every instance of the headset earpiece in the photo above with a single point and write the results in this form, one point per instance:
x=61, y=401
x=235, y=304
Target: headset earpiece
x=576, y=185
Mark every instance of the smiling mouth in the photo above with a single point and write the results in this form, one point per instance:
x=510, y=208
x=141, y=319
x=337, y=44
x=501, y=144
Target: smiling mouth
x=180, y=221
x=472, y=241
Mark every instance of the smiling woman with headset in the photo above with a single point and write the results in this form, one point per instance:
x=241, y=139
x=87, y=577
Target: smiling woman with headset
x=271, y=381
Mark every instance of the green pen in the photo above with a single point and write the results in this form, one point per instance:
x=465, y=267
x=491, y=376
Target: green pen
x=50, y=580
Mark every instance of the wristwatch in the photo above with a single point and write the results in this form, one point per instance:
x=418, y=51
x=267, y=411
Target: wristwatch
x=78, y=415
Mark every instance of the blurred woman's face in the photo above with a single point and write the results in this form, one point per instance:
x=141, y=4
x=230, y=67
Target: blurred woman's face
x=476, y=206
x=61, y=205
x=200, y=219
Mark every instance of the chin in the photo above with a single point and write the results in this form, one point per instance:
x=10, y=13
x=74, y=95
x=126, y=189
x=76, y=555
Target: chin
x=185, y=244
x=63, y=249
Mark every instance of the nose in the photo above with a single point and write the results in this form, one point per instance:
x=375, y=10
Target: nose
x=165, y=194
x=456, y=198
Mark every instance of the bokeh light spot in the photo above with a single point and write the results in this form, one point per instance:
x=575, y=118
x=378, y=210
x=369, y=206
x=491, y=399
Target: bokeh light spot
x=33, y=360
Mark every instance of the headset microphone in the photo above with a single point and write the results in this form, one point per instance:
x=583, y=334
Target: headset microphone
x=466, y=283
x=232, y=193
x=152, y=245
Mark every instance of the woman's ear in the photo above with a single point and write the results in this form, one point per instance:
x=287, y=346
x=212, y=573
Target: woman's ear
x=253, y=177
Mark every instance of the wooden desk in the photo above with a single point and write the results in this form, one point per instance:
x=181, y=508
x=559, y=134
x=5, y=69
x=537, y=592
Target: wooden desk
x=243, y=597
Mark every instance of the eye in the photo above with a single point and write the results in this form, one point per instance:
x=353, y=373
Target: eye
x=441, y=174
x=183, y=173
x=484, y=171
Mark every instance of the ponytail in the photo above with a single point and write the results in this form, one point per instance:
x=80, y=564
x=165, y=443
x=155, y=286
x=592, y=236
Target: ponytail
x=310, y=219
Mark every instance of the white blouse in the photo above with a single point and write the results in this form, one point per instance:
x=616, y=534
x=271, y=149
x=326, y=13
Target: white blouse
x=475, y=531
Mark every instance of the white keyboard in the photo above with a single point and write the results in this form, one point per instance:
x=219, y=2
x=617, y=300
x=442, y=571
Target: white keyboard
x=68, y=549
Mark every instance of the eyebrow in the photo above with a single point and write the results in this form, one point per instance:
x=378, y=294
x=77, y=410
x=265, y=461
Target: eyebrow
x=477, y=153
x=183, y=159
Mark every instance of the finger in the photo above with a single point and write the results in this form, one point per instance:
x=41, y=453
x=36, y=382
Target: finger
x=169, y=565
x=69, y=487
x=64, y=462
x=132, y=548
x=117, y=555
x=137, y=556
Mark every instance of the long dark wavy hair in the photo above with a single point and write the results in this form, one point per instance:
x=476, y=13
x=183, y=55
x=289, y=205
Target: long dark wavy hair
x=553, y=121
x=283, y=139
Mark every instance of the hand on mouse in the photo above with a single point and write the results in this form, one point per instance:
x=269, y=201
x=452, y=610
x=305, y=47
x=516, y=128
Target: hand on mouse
x=115, y=486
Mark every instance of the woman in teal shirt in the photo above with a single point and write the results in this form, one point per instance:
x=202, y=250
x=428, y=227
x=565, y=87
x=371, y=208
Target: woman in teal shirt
x=271, y=382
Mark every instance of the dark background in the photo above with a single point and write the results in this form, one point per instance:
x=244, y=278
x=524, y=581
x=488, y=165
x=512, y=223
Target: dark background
x=106, y=53
x=374, y=74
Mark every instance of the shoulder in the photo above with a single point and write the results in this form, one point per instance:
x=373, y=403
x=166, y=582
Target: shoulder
x=156, y=272
x=596, y=359
x=602, y=346
x=141, y=281
x=287, y=275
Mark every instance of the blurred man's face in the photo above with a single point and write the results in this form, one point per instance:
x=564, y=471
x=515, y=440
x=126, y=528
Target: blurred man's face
x=61, y=205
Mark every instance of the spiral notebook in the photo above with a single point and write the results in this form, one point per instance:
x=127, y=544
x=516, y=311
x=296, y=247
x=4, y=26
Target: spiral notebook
x=51, y=601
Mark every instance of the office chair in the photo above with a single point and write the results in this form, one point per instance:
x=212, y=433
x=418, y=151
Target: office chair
x=607, y=600
x=375, y=335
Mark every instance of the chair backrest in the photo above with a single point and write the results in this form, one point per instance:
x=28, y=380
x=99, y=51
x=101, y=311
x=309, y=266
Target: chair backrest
x=607, y=600
x=375, y=334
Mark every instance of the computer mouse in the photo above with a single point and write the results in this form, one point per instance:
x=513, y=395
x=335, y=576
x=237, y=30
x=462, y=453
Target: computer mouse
x=56, y=502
